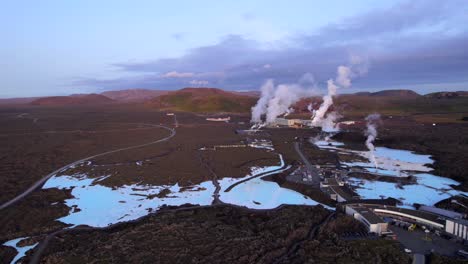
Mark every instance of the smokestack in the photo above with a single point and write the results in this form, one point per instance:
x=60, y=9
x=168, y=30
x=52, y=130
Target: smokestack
x=371, y=133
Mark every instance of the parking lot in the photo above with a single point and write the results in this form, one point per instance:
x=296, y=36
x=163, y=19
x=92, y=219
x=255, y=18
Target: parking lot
x=420, y=242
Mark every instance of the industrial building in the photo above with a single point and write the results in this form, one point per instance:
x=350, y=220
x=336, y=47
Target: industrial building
x=373, y=222
x=371, y=216
x=457, y=227
x=219, y=119
x=440, y=211
x=296, y=123
x=337, y=190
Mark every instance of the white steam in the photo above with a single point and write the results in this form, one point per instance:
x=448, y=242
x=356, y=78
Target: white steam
x=371, y=133
x=278, y=100
x=284, y=97
x=260, y=108
x=329, y=124
x=345, y=74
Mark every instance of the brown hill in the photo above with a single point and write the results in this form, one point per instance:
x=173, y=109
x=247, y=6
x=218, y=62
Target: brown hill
x=89, y=99
x=203, y=100
x=397, y=93
x=447, y=95
x=391, y=103
x=247, y=93
x=134, y=95
x=18, y=100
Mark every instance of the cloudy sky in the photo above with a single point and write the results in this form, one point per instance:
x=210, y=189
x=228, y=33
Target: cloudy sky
x=62, y=47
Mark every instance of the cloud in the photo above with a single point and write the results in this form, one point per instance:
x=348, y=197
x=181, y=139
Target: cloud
x=412, y=43
x=174, y=74
x=199, y=83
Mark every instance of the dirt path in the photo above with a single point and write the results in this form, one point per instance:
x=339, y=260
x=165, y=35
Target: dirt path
x=214, y=179
x=40, y=182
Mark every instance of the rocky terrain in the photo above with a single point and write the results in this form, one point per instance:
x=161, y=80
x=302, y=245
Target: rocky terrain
x=221, y=234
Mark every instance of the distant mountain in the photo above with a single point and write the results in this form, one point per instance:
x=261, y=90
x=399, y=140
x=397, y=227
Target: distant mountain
x=16, y=101
x=134, y=95
x=82, y=99
x=247, y=93
x=206, y=100
x=397, y=93
x=363, y=93
x=448, y=95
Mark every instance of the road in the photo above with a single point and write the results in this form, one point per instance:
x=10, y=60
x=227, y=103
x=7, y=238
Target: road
x=310, y=168
x=214, y=179
x=256, y=176
x=40, y=182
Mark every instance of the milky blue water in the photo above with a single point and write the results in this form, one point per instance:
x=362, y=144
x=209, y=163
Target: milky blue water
x=21, y=250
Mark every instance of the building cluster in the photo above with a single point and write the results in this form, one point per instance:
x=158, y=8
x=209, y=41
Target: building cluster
x=219, y=119
x=375, y=217
x=295, y=123
x=260, y=143
x=376, y=214
x=337, y=190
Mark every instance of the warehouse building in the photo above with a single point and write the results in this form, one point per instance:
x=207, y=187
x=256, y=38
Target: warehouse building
x=373, y=222
x=457, y=228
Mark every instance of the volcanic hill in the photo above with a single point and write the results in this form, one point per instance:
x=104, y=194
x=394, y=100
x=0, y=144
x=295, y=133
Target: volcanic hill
x=82, y=99
x=205, y=100
x=134, y=95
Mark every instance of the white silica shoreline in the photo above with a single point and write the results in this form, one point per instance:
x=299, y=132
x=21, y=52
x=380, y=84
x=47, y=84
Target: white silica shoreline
x=429, y=189
x=21, y=250
x=99, y=206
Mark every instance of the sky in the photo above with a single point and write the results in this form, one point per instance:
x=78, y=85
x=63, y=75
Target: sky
x=64, y=47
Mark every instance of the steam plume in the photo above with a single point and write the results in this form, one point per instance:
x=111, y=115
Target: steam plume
x=284, y=97
x=371, y=133
x=277, y=100
x=345, y=74
x=260, y=108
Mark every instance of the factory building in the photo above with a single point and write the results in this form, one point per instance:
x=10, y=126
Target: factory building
x=457, y=228
x=219, y=119
x=440, y=211
x=296, y=123
x=371, y=216
x=373, y=222
x=337, y=190
x=412, y=216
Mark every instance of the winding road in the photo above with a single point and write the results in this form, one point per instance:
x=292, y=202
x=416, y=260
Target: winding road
x=40, y=182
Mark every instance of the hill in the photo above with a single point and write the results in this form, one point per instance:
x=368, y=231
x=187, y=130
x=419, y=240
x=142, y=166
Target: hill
x=18, y=100
x=203, y=100
x=447, y=95
x=134, y=95
x=247, y=93
x=82, y=99
x=395, y=93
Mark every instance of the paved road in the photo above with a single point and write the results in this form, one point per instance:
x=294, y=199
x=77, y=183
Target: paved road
x=310, y=168
x=417, y=243
x=228, y=189
x=45, y=178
